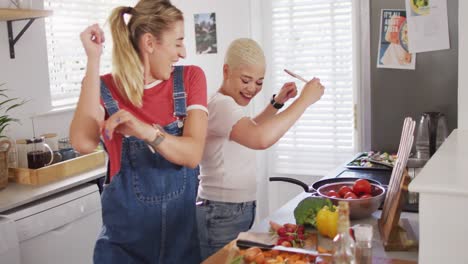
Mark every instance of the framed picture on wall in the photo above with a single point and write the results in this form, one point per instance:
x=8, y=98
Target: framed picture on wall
x=393, y=43
x=205, y=33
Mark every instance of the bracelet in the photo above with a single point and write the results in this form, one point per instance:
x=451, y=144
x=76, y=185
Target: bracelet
x=159, y=137
x=275, y=104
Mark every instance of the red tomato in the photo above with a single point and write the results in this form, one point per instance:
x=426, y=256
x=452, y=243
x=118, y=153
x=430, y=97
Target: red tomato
x=332, y=193
x=350, y=195
x=364, y=196
x=344, y=190
x=362, y=186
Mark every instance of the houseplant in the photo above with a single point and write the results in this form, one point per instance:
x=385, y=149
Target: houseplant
x=6, y=104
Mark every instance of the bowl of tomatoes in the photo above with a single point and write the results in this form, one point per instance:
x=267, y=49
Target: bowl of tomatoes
x=364, y=198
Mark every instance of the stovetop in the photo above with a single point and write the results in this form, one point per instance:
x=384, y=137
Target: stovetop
x=382, y=176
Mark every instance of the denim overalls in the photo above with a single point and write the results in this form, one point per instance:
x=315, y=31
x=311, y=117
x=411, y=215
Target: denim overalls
x=148, y=208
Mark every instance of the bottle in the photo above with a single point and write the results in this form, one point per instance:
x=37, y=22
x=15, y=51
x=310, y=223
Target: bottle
x=344, y=248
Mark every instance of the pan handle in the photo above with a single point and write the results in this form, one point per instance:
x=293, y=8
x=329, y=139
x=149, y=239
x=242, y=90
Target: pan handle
x=291, y=180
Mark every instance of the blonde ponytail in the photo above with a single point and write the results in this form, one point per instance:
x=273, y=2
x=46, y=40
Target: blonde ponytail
x=148, y=16
x=126, y=64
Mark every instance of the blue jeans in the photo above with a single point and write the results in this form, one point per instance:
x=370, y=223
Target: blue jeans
x=219, y=223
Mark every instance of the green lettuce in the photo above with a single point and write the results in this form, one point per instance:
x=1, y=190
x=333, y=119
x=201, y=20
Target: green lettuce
x=306, y=211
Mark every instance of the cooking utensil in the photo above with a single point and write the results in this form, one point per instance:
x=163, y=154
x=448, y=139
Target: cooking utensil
x=296, y=76
x=314, y=187
x=358, y=208
x=241, y=243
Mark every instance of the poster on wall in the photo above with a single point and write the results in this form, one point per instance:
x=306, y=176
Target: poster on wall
x=393, y=43
x=205, y=33
x=427, y=25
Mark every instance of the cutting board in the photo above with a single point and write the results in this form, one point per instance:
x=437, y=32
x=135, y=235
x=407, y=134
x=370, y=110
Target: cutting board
x=230, y=251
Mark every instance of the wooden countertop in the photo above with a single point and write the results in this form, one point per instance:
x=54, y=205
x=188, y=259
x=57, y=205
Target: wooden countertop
x=224, y=255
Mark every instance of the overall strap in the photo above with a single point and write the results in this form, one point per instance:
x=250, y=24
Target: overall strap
x=179, y=95
x=109, y=103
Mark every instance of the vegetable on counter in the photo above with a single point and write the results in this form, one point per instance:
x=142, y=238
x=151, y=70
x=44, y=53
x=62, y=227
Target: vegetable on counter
x=254, y=255
x=306, y=211
x=289, y=235
x=327, y=221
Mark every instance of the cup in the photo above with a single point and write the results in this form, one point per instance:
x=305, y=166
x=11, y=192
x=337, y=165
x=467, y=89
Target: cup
x=67, y=153
x=363, y=236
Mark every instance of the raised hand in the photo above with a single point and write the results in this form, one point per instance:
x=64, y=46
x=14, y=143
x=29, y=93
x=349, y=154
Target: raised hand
x=125, y=123
x=92, y=39
x=312, y=91
x=288, y=91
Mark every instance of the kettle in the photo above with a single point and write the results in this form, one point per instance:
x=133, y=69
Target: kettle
x=431, y=133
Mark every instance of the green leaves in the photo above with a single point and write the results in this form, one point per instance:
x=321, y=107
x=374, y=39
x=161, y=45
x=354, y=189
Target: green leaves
x=306, y=211
x=5, y=106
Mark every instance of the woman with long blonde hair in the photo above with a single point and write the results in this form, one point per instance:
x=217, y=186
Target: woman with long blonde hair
x=152, y=118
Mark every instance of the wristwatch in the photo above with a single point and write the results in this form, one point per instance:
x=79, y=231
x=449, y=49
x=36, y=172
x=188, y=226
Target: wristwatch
x=160, y=136
x=275, y=104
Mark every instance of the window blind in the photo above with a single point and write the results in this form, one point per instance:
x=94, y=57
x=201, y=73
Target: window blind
x=313, y=38
x=66, y=55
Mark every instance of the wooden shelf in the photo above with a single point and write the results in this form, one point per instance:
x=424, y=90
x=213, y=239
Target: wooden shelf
x=9, y=14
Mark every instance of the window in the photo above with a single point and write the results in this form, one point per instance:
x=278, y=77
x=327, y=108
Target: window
x=66, y=56
x=314, y=38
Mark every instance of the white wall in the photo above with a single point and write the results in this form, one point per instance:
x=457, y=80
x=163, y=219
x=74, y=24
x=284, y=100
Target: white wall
x=232, y=21
x=27, y=75
x=462, y=65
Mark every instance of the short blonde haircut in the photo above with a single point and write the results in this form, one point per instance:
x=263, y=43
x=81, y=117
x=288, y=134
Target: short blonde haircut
x=244, y=51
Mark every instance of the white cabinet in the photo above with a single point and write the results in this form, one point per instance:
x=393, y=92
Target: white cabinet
x=443, y=194
x=59, y=229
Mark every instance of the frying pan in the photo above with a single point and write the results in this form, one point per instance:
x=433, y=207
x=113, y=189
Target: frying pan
x=314, y=187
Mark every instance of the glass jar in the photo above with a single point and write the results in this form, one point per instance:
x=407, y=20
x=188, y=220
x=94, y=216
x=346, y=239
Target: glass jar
x=39, y=154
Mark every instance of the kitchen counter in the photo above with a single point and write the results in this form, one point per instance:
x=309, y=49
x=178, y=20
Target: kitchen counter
x=443, y=194
x=285, y=215
x=15, y=195
x=446, y=171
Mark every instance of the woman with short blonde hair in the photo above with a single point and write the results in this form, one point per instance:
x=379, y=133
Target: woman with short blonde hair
x=227, y=190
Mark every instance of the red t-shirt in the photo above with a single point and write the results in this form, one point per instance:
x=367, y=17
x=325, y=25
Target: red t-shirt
x=157, y=108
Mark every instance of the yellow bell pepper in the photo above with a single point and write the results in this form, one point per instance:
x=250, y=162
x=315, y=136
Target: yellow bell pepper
x=327, y=221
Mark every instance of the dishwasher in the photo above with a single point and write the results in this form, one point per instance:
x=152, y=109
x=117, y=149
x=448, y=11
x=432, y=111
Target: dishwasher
x=61, y=228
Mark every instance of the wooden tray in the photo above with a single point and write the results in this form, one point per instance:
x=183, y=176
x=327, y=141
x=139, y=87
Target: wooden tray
x=57, y=171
